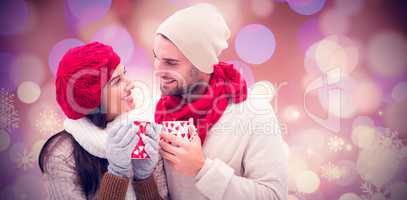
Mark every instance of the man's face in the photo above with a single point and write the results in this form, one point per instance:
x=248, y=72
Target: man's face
x=177, y=74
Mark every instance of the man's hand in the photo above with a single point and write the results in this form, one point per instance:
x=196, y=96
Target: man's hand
x=185, y=157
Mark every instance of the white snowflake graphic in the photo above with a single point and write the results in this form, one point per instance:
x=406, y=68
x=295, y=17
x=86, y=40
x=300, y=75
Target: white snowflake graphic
x=49, y=122
x=371, y=192
x=9, y=118
x=391, y=139
x=331, y=172
x=367, y=188
x=25, y=160
x=336, y=144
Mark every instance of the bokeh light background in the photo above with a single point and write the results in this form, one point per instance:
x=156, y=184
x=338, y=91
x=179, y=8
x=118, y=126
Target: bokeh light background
x=335, y=72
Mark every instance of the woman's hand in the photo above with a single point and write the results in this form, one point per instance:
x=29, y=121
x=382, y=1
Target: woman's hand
x=120, y=143
x=143, y=168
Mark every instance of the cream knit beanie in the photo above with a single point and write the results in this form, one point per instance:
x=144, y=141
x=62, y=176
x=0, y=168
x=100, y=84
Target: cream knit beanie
x=200, y=33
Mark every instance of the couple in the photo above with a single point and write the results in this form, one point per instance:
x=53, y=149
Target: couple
x=90, y=159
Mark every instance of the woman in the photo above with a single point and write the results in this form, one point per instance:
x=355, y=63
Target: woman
x=83, y=162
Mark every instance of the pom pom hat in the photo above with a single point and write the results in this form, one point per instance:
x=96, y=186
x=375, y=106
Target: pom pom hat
x=82, y=73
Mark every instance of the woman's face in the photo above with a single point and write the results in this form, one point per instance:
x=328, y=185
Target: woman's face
x=116, y=94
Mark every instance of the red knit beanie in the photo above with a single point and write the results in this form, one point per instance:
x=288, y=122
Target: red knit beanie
x=82, y=73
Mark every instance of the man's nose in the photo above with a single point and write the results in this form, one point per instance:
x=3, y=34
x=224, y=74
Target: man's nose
x=160, y=70
x=157, y=64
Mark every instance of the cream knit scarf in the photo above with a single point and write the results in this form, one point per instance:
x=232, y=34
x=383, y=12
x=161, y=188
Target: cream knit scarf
x=90, y=137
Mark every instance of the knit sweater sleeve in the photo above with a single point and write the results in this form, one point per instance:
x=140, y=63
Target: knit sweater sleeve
x=146, y=189
x=62, y=180
x=60, y=176
x=265, y=170
x=112, y=187
x=155, y=187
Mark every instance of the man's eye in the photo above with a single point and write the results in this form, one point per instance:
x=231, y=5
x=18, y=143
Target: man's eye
x=171, y=63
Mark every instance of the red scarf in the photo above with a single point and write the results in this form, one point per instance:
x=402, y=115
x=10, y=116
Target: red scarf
x=226, y=85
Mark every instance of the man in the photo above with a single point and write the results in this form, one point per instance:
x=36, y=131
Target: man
x=236, y=155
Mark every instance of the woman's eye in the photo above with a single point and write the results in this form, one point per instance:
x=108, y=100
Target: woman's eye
x=116, y=81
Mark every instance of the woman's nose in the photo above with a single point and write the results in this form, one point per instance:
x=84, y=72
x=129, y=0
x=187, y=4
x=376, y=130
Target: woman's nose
x=129, y=85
